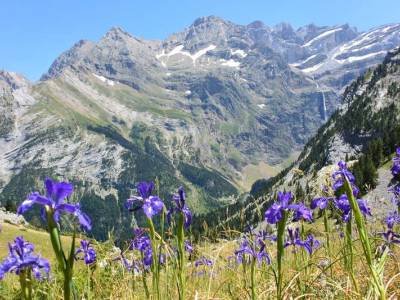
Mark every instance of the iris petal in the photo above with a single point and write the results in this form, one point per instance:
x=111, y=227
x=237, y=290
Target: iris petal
x=33, y=198
x=48, y=183
x=62, y=190
x=66, y=207
x=84, y=219
x=134, y=203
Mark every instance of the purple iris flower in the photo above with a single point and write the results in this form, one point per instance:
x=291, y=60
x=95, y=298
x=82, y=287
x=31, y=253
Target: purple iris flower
x=180, y=207
x=147, y=258
x=130, y=266
x=21, y=258
x=343, y=204
x=396, y=163
x=263, y=236
x=293, y=236
x=392, y=219
x=56, y=193
x=86, y=253
x=301, y=212
x=255, y=249
x=203, y=261
x=275, y=213
x=395, y=190
x=294, y=239
x=310, y=244
x=340, y=175
x=142, y=243
x=151, y=205
x=321, y=202
x=188, y=247
x=391, y=237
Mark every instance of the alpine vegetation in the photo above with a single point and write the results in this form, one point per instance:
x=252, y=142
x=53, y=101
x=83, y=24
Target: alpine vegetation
x=22, y=261
x=52, y=205
x=283, y=250
x=279, y=214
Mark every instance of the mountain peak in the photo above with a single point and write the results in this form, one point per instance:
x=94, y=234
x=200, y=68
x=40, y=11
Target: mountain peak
x=116, y=33
x=256, y=25
x=208, y=20
x=79, y=50
x=12, y=79
x=283, y=26
x=285, y=30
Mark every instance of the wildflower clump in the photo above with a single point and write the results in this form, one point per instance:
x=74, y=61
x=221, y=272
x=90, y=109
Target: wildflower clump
x=52, y=206
x=23, y=262
x=284, y=249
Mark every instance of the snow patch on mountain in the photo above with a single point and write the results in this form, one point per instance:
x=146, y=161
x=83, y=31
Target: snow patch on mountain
x=304, y=61
x=368, y=39
x=365, y=49
x=324, y=34
x=313, y=68
x=387, y=28
x=179, y=50
x=240, y=52
x=201, y=52
x=358, y=58
x=105, y=80
x=230, y=63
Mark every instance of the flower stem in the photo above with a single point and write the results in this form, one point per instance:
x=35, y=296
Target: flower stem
x=154, y=265
x=55, y=240
x=280, y=252
x=350, y=253
x=244, y=275
x=88, y=283
x=146, y=289
x=181, y=256
x=362, y=231
x=65, y=265
x=26, y=284
x=253, y=281
x=327, y=233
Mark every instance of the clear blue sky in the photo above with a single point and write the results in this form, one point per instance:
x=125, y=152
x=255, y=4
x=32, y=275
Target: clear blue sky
x=34, y=33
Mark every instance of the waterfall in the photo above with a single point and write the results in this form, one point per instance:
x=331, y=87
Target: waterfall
x=324, y=106
x=325, y=116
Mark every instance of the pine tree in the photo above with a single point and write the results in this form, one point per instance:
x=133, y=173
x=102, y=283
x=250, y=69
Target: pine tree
x=369, y=172
x=300, y=194
x=358, y=174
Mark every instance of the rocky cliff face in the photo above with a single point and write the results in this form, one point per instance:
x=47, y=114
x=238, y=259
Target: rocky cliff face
x=194, y=109
x=338, y=55
x=369, y=111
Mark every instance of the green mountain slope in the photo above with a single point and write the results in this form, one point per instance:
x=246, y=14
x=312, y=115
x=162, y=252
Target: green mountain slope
x=366, y=127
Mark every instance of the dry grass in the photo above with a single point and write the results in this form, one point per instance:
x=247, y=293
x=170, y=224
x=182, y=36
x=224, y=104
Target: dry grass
x=305, y=276
x=39, y=238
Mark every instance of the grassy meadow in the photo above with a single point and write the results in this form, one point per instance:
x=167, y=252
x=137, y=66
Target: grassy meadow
x=319, y=276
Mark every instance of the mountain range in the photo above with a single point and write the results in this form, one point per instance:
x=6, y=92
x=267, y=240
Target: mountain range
x=213, y=108
x=364, y=131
